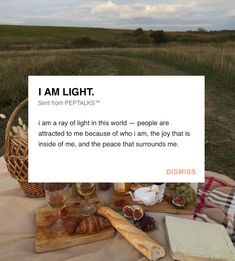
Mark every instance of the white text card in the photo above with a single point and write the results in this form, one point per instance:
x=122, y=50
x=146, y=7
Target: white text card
x=116, y=128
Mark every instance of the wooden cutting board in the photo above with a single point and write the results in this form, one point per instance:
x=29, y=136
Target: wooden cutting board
x=48, y=240
x=162, y=207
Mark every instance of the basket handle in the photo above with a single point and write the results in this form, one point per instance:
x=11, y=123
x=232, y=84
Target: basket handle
x=9, y=123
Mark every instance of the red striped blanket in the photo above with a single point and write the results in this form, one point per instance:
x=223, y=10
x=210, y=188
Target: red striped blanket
x=216, y=202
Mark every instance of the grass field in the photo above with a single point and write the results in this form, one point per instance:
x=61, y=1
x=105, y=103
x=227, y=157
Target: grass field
x=215, y=60
x=48, y=37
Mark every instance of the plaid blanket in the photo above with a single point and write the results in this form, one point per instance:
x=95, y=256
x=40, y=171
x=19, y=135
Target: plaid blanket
x=216, y=203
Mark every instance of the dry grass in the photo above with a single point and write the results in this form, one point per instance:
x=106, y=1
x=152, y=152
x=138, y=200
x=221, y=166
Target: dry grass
x=218, y=57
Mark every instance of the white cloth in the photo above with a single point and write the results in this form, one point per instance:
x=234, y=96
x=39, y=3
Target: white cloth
x=17, y=231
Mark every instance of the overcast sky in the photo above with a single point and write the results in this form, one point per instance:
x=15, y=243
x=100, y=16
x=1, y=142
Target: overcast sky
x=148, y=14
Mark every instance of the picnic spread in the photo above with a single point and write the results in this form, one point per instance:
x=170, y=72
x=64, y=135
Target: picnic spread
x=119, y=221
x=18, y=214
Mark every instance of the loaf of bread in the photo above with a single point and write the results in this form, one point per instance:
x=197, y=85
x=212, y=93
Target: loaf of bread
x=139, y=239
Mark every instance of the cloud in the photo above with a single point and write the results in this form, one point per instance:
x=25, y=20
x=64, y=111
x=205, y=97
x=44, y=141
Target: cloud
x=167, y=14
x=130, y=11
x=231, y=13
x=105, y=7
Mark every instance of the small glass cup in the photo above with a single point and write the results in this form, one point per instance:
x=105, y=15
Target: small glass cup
x=56, y=196
x=87, y=189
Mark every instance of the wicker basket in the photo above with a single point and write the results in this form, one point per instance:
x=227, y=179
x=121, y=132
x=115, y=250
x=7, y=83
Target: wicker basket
x=16, y=156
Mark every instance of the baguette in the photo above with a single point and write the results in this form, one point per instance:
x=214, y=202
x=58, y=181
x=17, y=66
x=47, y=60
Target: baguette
x=139, y=239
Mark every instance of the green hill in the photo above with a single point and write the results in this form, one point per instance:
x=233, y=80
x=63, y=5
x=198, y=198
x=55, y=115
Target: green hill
x=49, y=37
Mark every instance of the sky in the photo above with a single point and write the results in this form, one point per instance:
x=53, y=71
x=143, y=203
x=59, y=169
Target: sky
x=169, y=15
